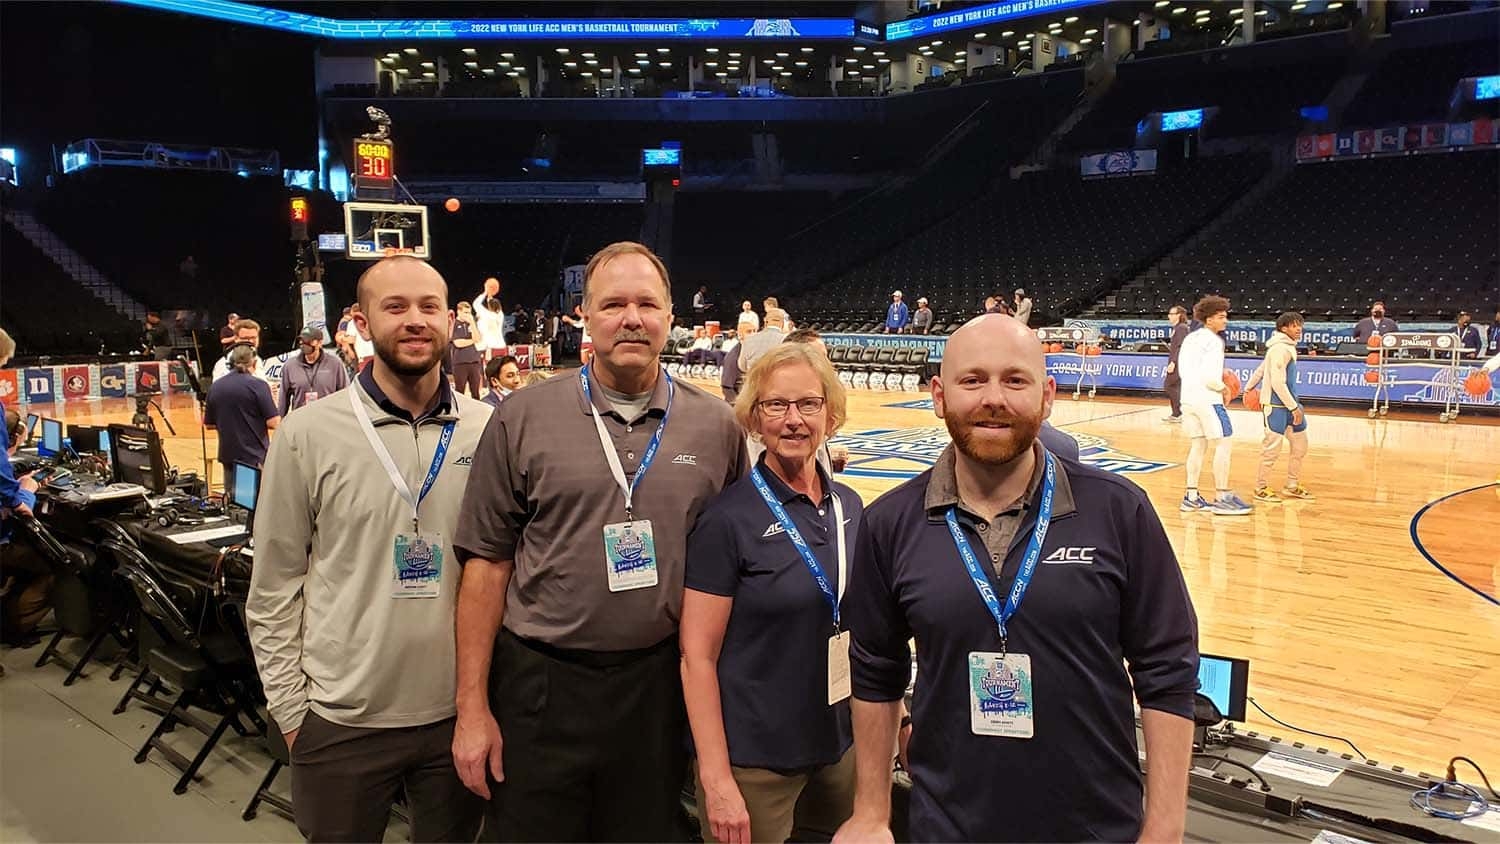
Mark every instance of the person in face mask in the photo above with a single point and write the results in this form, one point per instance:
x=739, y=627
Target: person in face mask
x=1375, y=323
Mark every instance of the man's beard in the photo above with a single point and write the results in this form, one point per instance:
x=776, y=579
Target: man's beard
x=994, y=451
x=389, y=351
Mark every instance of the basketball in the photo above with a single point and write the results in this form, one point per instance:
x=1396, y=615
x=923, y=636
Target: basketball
x=1081, y=349
x=1373, y=342
x=1094, y=350
x=452, y=204
x=1477, y=384
x=1372, y=359
x=1372, y=376
x=1055, y=347
x=1231, y=385
x=1252, y=399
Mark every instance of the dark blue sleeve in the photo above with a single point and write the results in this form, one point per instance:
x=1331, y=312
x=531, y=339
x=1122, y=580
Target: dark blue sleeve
x=210, y=408
x=1058, y=443
x=879, y=653
x=1158, y=627
x=268, y=409
x=713, y=557
x=11, y=494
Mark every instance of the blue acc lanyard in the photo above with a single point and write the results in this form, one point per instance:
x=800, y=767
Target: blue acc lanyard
x=612, y=457
x=808, y=557
x=398, y=480
x=1028, y=563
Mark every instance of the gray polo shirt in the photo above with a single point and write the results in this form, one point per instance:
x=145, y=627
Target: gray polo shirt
x=540, y=493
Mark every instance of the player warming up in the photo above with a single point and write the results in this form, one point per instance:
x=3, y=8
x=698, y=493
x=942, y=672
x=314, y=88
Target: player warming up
x=1204, y=418
x=1285, y=418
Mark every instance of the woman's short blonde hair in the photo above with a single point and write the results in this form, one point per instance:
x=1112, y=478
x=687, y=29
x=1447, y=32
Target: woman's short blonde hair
x=746, y=406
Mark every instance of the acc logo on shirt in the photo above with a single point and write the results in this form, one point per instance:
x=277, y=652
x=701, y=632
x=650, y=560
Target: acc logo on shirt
x=465, y=460
x=1073, y=554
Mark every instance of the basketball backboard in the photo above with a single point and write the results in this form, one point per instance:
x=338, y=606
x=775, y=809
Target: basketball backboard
x=378, y=229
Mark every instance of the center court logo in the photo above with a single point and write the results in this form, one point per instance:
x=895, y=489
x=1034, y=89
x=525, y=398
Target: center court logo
x=898, y=454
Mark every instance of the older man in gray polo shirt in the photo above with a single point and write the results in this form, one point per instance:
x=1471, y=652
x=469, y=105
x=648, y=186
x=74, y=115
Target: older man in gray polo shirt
x=573, y=539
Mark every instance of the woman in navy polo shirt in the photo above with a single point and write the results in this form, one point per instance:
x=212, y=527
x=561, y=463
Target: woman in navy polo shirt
x=765, y=665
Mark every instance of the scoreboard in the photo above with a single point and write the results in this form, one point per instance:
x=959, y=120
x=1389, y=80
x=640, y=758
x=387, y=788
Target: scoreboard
x=374, y=168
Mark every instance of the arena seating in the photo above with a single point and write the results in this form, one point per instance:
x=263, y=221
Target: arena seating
x=47, y=312
x=1417, y=231
x=1415, y=84
x=1253, y=97
x=136, y=226
x=1004, y=125
x=1042, y=232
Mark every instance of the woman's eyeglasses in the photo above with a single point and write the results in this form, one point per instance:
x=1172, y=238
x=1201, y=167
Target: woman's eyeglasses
x=777, y=408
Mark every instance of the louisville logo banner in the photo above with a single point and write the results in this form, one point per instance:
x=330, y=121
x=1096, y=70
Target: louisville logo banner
x=147, y=378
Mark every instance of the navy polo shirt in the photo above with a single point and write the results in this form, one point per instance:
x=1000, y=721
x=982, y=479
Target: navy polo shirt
x=239, y=405
x=372, y=389
x=1107, y=592
x=773, y=665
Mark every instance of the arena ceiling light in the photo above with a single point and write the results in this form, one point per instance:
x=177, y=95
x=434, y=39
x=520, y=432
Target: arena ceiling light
x=710, y=64
x=642, y=62
x=937, y=43
x=1085, y=41
x=403, y=70
x=1179, y=10
x=410, y=51
x=976, y=35
x=470, y=51
x=859, y=49
x=869, y=67
x=562, y=51
x=489, y=71
x=393, y=55
x=1260, y=13
x=1332, y=7
x=507, y=55
x=1091, y=32
x=592, y=62
x=1073, y=19
x=807, y=49
x=635, y=70
x=878, y=53
x=884, y=61
x=664, y=64
x=429, y=75
x=640, y=55
x=734, y=55
x=388, y=60
x=786, y=73
x=721, y=74
x=570, y=64
x=504, y=64
x=471, y=64
x=607, y=71
x=663, y=49
x=428, y=64
x=587, y=55
x=783, y=55
x=1007, y=33
x=712, y=50
x=1297, y=7
x=1162, y=3
x=512, y=74
x=587, y=74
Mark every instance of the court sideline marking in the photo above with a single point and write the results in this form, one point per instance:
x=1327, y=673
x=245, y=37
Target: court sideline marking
x=1421, y=549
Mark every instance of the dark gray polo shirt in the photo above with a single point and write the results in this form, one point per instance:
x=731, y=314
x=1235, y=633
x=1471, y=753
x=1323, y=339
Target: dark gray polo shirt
x=540, y=493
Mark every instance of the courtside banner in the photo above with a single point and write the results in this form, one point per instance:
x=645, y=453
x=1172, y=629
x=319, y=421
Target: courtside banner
x=80, y=382
x=933, y=345
x=1317, y=378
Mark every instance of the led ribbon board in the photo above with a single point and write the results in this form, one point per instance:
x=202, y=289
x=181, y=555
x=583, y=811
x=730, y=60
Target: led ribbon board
x=978, y=15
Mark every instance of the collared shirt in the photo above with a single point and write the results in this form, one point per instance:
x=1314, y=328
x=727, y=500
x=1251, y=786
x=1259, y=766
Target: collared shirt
x=443, y=407
x=299, y=378
x=897, y=315
x=326, y=631
x=757, y=344
x=1107, y=592
x=541, y=493
x=773, y=665
x=239, y=405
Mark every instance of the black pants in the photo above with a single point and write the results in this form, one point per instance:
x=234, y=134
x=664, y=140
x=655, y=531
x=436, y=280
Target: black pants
x=1173, y=386
x=345, y=779
x=594, y=744
x=468, y=376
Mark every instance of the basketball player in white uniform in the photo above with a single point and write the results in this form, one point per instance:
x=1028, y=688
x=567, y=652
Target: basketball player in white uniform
x=1201, y=364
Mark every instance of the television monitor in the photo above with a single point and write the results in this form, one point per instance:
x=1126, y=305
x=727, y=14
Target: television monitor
x=661, y=157
x=104, y=446
x=246, y=487
x=136, y=457
x=1225, y=681
x=52, y=438
x=85, y=438
x=31, y=420
x=1177, y=121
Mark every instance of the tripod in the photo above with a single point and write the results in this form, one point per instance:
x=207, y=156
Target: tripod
x=142, y=419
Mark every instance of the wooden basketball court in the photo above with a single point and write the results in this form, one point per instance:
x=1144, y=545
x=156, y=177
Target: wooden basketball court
x=1361, y=618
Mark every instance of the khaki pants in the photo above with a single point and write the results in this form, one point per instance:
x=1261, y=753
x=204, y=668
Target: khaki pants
x=814, y=804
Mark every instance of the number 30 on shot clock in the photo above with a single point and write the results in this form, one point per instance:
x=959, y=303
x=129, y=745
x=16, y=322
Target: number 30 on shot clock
x=373, y=168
